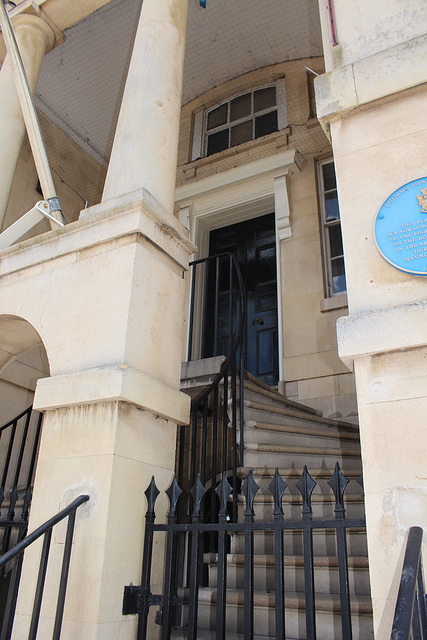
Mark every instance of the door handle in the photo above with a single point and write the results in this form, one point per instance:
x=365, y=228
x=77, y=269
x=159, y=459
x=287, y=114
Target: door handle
x=258, y=321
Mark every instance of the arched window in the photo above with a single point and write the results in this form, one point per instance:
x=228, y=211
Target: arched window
x=241, y=118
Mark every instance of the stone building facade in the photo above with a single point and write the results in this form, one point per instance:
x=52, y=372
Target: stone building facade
x=93, y=316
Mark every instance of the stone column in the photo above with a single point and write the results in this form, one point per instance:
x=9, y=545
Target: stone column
x=145, y=146
x=34, y=38
x=110, y=308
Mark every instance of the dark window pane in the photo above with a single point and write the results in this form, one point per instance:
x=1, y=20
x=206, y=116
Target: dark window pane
x=265, y=124
x=335, y=240
x=338, y=275
x=264, y=98
x=217, y=142
x=240, y=107
x=217, y=117
x=241, y=133
x=331, y=206
x=329, y=181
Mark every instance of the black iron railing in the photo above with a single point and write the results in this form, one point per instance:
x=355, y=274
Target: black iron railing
x=410, y=617
x=209, y=445
x=19, y=441
x=177, y=604
x=14, y=559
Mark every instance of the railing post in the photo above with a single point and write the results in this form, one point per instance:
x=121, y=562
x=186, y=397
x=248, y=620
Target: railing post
x=277, y=487
x=412, y=578
x=306, y=485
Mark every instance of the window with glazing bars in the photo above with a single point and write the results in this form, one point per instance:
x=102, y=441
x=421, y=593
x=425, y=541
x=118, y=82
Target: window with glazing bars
x=248, y=116
x=331, y=230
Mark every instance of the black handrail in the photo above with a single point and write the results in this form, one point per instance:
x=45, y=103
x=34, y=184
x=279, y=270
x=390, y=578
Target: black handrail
x=237, y=342
x=11, y=472
x=16, y=555
x=195, y=457
x=410, y=616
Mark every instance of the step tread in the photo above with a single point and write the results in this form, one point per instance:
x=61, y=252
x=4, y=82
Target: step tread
x=295, y=414
x=283, y=448
x=181, y=634
x=295, y=498
x=265, y=560
x=293, y=600
x=259, y=387
x=316, y=433
x=294, y=472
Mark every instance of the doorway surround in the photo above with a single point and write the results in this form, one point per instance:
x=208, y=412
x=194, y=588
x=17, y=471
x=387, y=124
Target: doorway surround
x=237, y=195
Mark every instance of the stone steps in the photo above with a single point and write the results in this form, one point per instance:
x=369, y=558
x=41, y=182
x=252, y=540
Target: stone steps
x=326, y=577
x=316, y=431
x=328, y=619
x=324, y=542
x=289, y=436
x=258, y=410
x=283, y=455
x=268, y=433
x=322, y=506
x=254, y=386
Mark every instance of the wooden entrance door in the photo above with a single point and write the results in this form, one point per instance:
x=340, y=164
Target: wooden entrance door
x=253, y=242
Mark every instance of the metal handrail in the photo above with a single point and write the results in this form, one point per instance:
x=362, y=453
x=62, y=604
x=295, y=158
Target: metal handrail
x=15, y=555
x=211, y=455
x=239, y=334
x=410, y=616
x=37, y=533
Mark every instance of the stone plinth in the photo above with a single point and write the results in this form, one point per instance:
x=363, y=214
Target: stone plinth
x=106, y=296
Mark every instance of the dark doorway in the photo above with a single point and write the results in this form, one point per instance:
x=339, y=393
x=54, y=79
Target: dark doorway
x=253, y=243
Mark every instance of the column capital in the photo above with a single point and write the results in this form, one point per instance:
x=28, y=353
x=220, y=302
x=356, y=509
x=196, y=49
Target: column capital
x=37, y=26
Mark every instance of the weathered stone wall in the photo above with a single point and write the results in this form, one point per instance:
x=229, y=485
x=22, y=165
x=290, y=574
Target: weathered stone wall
x=313, y=372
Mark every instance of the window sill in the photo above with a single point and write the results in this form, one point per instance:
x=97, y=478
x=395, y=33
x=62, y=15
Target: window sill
x=280, y=136
x=334, y=303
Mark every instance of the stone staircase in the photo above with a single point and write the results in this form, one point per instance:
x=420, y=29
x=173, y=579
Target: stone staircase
x=284, y=434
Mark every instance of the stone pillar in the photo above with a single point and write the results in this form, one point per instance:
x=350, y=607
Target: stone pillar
x=109, y=305
x=372, y=102
x=34, y=38
x=145, y=146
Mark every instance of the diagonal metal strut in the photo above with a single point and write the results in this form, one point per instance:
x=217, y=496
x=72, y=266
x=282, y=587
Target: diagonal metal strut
x=50, y=207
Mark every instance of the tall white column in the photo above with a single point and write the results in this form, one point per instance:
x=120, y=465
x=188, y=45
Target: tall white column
x=34, y=38
x=113, y=401
x=146, y=142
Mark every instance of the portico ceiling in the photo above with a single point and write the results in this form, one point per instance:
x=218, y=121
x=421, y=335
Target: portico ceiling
x=82, y=80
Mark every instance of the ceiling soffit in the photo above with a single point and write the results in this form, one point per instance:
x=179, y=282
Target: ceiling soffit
x=82, y=81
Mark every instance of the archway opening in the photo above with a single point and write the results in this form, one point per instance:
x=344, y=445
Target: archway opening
x=23, y=361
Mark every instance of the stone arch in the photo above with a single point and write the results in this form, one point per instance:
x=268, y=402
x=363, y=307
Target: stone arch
x=23, y=360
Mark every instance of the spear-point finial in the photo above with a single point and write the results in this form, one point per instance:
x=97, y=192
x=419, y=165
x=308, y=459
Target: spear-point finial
x=306, y=485
x=173, y=494
x=198, y=491
x=151, y=494
x=223, y=490
x=249, y=490
x=338, y=483
x=277, y=488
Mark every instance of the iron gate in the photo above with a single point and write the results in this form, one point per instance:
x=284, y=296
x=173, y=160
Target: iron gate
x=183, y=576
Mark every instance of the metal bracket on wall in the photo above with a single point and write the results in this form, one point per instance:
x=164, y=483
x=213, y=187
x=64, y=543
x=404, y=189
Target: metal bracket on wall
x=50, y=206
x=42, y=209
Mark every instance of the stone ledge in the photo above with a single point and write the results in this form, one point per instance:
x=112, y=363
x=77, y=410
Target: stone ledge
x=333, y=303
x=135, y=213
x=378, y=332
x=111, y=384
x=346, y=88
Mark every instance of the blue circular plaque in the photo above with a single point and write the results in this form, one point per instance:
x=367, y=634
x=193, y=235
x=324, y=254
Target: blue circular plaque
x=400, y=228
